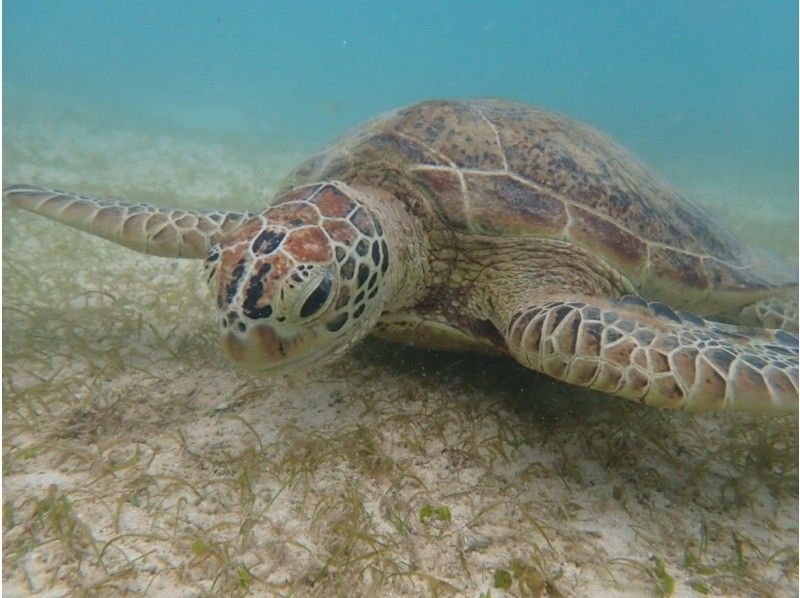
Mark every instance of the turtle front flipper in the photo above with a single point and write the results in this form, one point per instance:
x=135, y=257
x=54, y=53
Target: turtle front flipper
x=648, y=353
x=141, y=227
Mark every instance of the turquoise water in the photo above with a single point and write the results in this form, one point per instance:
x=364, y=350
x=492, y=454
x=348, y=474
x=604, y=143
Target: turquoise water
x=720, y=73
x=219, y=482
x=706, y=92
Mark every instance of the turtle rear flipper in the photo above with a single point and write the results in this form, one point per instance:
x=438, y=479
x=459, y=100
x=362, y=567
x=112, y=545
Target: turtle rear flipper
x=648, y=353
x=773, y=312
x=141, y=227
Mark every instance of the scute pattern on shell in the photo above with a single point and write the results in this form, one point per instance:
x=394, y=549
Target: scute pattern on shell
x=500, y=168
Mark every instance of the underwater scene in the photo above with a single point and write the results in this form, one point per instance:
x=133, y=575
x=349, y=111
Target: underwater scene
x=442, y=363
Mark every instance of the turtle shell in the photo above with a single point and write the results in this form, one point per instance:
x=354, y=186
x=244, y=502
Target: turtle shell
x=489, y=167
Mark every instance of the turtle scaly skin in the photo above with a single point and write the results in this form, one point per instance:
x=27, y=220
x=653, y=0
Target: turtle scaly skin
x=492, y=226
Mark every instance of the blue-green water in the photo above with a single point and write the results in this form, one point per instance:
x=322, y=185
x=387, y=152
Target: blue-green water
x=706, y=92
x=392, y=472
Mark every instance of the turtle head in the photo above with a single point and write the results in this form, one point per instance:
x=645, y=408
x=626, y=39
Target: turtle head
x=300, y=282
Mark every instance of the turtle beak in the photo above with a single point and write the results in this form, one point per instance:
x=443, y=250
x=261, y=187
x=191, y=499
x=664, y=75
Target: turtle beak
x=264, y=349
x=262, y=346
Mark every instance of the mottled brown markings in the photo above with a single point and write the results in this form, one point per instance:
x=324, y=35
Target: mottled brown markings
x=445, y=191
x=243, y=233
x=267, y=241
x=362, y=221
x=299, y=194
x=332, y=203
x=340, y=231
x=620, y=247
x=407, y=149
x=293, y=214
x=445, y=128
x=308, y=244
x=668, y=266
x=514, y=207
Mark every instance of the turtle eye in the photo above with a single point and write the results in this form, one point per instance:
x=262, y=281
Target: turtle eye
x=318, y=297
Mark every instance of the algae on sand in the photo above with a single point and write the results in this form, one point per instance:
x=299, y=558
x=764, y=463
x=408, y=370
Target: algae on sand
x=137, y=459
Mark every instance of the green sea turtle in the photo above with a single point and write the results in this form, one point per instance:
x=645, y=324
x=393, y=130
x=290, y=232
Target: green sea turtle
x=484, y=225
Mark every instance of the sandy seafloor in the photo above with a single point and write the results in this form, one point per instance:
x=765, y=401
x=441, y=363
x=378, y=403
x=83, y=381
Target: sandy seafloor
x=137, y=460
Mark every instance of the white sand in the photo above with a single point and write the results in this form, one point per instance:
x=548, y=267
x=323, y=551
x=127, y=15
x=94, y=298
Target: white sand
x=136, y=459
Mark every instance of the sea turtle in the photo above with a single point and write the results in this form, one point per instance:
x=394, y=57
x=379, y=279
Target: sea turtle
x=489, y=225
